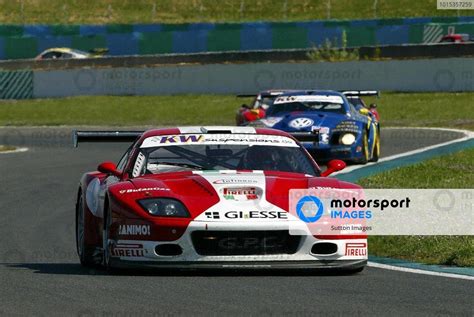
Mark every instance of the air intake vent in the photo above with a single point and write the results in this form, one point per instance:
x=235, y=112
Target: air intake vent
x=324, y=248
x=168, y=250
x=244, y=242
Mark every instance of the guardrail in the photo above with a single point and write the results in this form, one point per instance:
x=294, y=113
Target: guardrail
x=411, y=51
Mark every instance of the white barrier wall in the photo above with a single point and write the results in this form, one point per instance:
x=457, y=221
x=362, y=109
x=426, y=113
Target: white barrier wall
x=450, y=74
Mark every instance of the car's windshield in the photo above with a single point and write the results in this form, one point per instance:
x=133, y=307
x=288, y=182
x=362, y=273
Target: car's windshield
x=237, y=156
x=304, y=106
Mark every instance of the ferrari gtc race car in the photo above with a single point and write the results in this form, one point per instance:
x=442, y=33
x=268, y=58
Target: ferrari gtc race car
x=206, y=197
x=329, y=125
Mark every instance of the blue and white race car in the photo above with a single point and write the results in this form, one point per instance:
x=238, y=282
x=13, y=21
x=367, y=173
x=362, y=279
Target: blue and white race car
x=327, y=123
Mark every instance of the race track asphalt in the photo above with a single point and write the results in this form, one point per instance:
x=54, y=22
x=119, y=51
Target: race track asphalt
x=40, y=274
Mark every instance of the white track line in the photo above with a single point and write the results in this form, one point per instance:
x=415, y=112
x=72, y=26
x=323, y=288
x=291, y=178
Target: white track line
x=419, y=271
x=467, y=135
x=18, y=150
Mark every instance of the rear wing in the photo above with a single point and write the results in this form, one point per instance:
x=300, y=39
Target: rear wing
x=269, y=93
x=360, y=93
x=246, y=95
x=104, y=136
x=131, y=136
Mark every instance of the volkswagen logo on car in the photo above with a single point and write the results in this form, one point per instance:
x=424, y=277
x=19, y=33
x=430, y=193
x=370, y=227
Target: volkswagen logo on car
x=300, y=123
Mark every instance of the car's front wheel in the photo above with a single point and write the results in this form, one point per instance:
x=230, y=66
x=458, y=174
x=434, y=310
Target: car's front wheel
x=365, y=148
x=84, y=252
x=105, y=239
x=376, y=154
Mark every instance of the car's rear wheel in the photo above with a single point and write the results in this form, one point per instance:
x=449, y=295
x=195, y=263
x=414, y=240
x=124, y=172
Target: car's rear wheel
x=84, y=252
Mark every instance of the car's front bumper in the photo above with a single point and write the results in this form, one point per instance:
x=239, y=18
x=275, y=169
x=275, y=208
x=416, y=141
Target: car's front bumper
x=304, y=254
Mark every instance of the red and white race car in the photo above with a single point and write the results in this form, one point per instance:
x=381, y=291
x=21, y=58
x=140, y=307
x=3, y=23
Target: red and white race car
x=205, y=197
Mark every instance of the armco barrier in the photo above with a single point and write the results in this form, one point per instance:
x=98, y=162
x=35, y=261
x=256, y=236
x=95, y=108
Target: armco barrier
x=451, y=74
x=366, y=52
x=18, y=42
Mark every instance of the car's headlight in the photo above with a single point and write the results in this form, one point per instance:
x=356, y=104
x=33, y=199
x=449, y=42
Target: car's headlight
x=347, y=138
x=164, y=207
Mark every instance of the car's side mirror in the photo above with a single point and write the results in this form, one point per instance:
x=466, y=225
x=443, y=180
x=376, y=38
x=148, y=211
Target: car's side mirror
x=364, y=111
x=109, y=168
x=333, y=166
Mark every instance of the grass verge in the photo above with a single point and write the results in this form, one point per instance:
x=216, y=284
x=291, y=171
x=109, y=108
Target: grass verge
x=4, y=148
x=396, y=109
x=449, y=171
x=181, y=11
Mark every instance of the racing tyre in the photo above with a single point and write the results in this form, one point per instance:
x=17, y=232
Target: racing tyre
x=376, y=154
x=105, y=240
x=365, y=148
x=84, y=252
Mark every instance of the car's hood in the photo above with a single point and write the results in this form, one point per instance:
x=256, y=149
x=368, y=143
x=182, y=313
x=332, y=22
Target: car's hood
x=304, y=121
x=206, y=194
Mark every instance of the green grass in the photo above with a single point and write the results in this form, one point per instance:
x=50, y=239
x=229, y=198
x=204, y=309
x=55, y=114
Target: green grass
x=4, y=148
x=452, y=110
x=439, y=250
x=396, y=109
x=449, y=171
x=179, y=11
x=121, y=111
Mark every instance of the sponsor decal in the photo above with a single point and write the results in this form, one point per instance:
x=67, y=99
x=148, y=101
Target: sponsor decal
x=212, y=215
x=356, y=249
x=324, y=138
x=309, y=98
x=210, y=139
x=235, y=181
x=320, y=129
x=300, y=123
x=128, y=250
x=139, y=190
x=181, y=138
x=253, y=214
x=347, y=126
x=249, y=193
x=134, y=230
